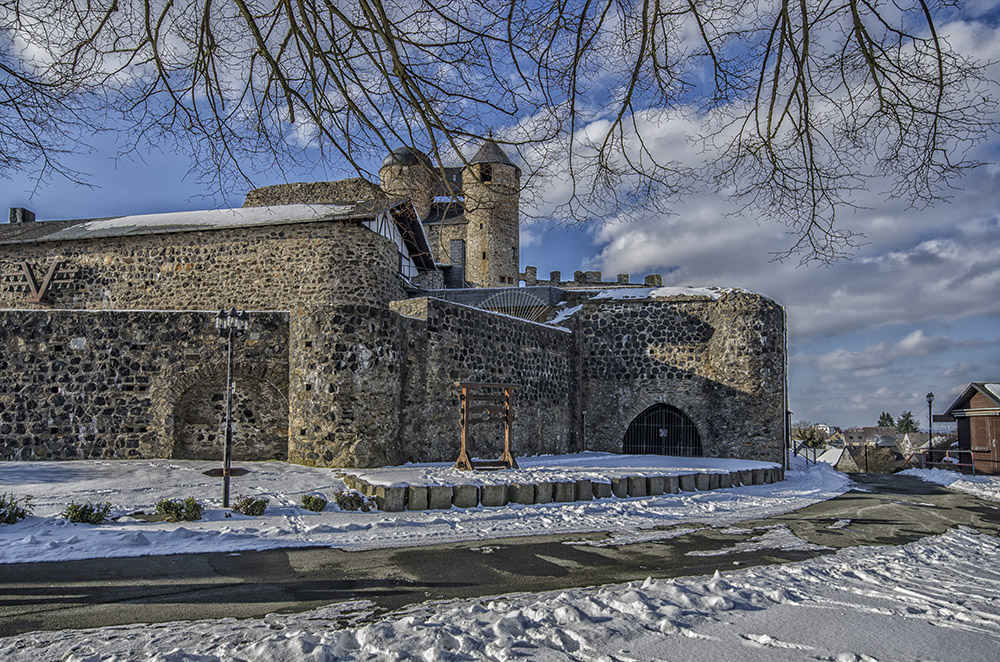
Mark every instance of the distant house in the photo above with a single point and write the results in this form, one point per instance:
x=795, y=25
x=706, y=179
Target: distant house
x=911, y=442
x=977, y=412
x=866, y=458
x=871, y=435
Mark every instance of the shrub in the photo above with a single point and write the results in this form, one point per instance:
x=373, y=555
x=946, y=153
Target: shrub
x=87, y=513
x=353, y=500
x=313, y=502
x=251, y=506
x=14, y=508
x=172, y=510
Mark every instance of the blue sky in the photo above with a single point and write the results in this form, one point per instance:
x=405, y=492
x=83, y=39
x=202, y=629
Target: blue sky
x=916, y=309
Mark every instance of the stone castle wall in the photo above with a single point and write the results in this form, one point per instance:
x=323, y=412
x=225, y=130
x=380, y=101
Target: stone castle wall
x=258, y=268
x=372, y=387
x=720, y=362
x=131, y=384
x=346, y=391
x=446, y=343
x=343, y=191
x=439, y=238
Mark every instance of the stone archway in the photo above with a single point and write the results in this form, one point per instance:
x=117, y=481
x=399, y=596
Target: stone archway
x=662, y=430
x=260, y=420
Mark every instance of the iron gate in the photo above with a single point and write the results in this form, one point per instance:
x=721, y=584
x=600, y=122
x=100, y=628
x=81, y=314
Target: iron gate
x=662, y=430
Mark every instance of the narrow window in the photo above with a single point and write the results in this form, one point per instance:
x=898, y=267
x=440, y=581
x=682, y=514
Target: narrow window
x=485, y=172
x=457, y=251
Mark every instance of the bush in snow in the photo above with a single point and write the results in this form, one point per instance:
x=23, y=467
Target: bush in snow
x=251, y=506
x=353, y=500
x=313, y=502
x=87, y=513
x=14, y=508
x=173, y=510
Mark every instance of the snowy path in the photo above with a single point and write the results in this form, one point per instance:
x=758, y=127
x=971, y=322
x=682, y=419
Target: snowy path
x=937, y=599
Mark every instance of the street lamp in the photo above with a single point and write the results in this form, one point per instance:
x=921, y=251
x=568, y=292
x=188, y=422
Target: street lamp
x=229, y=324
x=930, y=424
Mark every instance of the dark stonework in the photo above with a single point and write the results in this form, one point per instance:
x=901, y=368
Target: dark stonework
x=720, y=362
x=445, y=343
x=254, y=268
x=129, y=384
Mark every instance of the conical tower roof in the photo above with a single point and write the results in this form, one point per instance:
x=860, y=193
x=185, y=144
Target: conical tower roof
x=491, y=152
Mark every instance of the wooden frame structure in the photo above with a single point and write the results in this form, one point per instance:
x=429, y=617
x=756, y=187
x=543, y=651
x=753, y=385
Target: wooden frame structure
x=484, y=403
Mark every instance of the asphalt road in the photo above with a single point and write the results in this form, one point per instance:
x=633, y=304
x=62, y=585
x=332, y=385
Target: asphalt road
x=883, y=510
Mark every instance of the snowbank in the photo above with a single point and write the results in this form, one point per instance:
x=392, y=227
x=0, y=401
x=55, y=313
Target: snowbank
x=984, y=487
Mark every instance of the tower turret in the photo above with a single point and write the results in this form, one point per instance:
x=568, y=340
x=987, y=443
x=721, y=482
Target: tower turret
x=409, y=173
x=491, y=184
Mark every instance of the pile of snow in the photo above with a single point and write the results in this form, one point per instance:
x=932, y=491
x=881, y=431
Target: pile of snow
x=133, y=485
x=984, y=487
x=938, y=599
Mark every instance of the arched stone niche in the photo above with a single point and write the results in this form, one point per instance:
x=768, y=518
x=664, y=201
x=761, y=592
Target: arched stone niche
x=260, y=417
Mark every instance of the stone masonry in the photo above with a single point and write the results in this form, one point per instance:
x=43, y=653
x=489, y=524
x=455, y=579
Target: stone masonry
x=108, y=347
x=266, y=268
x=133, y=384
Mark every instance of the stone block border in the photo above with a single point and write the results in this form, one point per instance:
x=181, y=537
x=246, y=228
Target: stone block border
x=440, y=497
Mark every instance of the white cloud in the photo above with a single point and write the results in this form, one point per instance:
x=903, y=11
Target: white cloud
x=872, y=360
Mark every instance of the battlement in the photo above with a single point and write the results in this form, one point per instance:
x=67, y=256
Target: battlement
x=585, y=279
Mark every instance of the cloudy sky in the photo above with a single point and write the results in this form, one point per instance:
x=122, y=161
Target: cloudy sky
x=916, y=309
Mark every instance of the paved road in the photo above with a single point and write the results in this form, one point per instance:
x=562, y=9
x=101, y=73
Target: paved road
x=78, y=594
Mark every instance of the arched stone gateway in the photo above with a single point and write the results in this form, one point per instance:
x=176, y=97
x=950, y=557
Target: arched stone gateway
x=260, y=421
x=662, y=430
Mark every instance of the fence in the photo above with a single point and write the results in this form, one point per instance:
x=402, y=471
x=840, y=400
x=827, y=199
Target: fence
x=804, y=450
x=957, y=460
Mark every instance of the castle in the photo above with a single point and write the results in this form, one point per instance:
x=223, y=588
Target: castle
x=366, y=304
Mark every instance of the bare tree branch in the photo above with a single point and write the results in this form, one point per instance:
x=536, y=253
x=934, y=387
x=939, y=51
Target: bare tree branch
x=803, y=104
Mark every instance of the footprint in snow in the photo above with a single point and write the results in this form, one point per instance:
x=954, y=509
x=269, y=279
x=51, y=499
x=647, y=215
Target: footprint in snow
x=765, y=640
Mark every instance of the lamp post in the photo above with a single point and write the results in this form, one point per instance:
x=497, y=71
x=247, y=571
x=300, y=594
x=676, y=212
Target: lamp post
x=229, y=324
x=930, y=424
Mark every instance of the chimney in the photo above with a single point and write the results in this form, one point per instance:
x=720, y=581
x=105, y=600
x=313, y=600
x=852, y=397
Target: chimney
x=20, y=216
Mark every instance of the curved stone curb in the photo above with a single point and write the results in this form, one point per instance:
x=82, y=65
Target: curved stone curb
x=442, y=497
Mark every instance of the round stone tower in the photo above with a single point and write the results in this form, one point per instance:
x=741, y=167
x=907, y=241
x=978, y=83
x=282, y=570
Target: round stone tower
x=409, y=173
x=491, y=184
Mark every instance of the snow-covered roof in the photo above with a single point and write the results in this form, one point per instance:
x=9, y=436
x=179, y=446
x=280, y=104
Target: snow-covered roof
x=831, y=456
x=990, y=390
x=192, y=221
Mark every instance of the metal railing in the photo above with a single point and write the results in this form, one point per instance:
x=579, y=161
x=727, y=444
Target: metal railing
x=805, y=450
x=956, y=460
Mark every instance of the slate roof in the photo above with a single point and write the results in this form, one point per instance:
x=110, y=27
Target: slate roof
x=491, y=152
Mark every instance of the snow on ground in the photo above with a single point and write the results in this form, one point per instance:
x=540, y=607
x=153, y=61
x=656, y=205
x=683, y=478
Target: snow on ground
x=935, y=599
x=984, y=487
x=597, y=467
x=132, y=485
